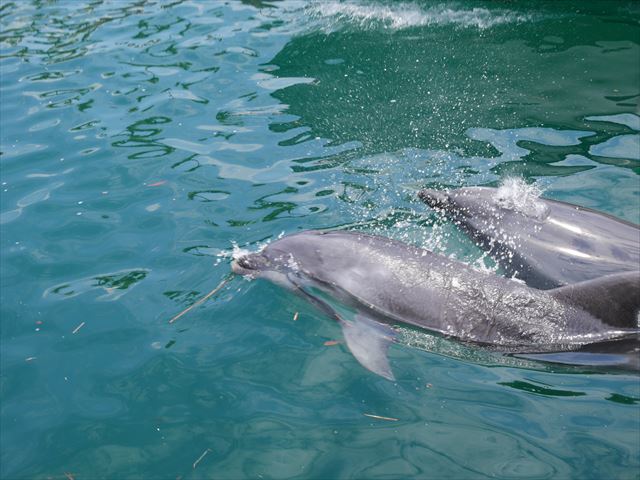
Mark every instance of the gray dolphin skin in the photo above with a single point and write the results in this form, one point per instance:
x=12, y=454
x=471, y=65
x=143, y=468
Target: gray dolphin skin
x=544, y=242
x=388, y=282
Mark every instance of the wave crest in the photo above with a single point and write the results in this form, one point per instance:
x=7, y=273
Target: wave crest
x=406, y=15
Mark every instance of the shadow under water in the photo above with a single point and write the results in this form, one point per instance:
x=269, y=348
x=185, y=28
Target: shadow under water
x=614, y=356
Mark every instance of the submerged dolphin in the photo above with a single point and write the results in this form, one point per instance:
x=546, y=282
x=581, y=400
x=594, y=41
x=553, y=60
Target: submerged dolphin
x=546, y=243
x=388, y=281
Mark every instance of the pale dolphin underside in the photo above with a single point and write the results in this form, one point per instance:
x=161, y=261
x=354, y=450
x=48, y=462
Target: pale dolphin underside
x=389, y=282
x=544, y=242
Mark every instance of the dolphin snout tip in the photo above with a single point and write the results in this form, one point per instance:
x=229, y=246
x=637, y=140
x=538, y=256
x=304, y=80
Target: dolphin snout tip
x=241, y=265
x=433, y=198
x=249, y=264
x=236, y=268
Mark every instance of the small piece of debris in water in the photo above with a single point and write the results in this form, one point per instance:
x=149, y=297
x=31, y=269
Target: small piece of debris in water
x=157, y=184
x=295, y=316
x=390, y=419
x=203, y=299
x=28, y=359
x=330, y=343
x=69, y=476
x=78, y=328
x=195, y=464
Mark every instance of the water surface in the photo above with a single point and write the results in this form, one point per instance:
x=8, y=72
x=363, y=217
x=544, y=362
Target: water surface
x=141, y=141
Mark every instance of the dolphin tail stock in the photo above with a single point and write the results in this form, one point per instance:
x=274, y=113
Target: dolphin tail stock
x=614, y=299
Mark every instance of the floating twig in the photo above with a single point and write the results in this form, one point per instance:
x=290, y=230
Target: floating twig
x=390, y=419
x=330, y=343
x=203, y=299
x=195, y=464
x=75, y=330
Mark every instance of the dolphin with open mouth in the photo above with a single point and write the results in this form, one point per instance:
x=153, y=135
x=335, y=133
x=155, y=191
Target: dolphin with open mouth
x=544, y=242
x=389, y=282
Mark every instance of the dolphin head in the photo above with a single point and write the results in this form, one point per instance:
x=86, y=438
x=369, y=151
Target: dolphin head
x=263, y=264
x=279, y=260
x=300, y=258
x=460, y=203
x=513, y=198
x=250, y=264
x=437, y=199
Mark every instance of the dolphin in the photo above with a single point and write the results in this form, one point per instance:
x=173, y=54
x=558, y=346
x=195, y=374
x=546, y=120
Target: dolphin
x=388, y=282
x=544, y=242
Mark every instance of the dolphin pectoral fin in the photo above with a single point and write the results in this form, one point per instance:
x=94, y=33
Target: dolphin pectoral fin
x=368, y=341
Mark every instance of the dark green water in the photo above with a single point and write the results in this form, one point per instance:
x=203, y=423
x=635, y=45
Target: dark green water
x=141, y=140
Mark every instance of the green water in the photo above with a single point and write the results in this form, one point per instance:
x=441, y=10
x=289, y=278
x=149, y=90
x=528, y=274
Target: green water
x=141, y=140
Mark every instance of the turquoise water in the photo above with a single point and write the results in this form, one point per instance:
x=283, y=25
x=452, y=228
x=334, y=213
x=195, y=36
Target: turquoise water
x=140, y=141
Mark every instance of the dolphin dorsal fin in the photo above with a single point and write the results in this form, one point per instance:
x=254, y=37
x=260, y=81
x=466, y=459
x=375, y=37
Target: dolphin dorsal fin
x=614, y=299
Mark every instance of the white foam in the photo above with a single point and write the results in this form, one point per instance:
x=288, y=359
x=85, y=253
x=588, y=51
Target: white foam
x=236, y=253
x=517, y=195
x=402, y=15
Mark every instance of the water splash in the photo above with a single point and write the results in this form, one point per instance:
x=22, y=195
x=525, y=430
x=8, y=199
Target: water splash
x=236, y=251
x=517, y=195
x=239, y=252
x=399, y=16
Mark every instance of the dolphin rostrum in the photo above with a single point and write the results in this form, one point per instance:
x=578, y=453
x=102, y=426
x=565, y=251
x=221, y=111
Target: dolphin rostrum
x=386, y=282
x=544, y=242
